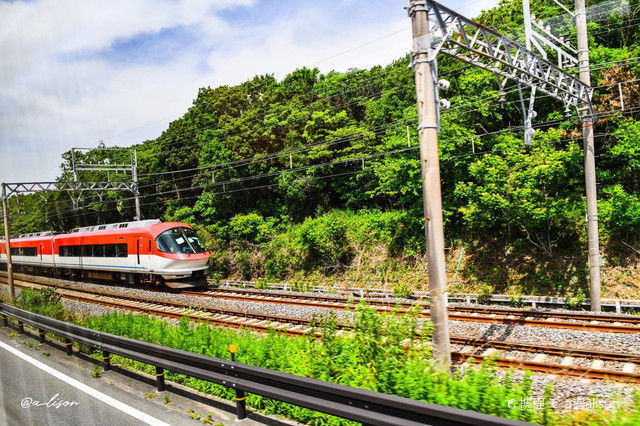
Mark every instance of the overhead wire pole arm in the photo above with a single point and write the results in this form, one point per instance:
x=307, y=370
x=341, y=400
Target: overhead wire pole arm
x=29, y=187
x=471, y=42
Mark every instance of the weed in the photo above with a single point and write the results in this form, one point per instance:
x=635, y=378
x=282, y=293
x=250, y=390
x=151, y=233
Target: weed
x=484, y=297
x=516, y=301
x=46, y=353
x=12, y=334
x=575, y=302
x=193, y=414
x=149, y=395
x=262, y=284
x=402, y=290
x=97, y=372
x=44, y=302
x=208, y=419
x=167, y=400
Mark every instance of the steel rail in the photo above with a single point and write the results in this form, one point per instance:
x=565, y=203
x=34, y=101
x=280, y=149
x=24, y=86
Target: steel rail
x=303, y=328
x=511, y=316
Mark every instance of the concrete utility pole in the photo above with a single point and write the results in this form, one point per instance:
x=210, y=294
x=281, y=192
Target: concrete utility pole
x=5, y=212
x=136, y=192
x=431, y=191
x=589, y=161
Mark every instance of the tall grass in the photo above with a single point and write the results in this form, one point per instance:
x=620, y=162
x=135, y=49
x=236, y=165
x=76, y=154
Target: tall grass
x=383, y=353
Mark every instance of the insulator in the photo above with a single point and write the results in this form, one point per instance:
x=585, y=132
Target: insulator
x=445, y=104
x=443, y=84
x=567, y=112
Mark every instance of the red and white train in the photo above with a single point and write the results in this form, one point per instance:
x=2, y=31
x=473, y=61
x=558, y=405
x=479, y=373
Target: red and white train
x=162, y=252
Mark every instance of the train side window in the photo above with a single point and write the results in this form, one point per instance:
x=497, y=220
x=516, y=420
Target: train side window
x=98, y=250
x=109, y=250
x=62, y=250
x=87, y=251
x=76, y=251
x=121, y=250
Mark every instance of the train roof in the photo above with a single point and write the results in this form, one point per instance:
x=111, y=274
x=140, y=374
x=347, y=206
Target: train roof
x=154, y=226
x=120, y=225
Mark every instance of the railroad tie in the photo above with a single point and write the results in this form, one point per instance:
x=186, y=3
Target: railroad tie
x=539, y=357
x=567, y=361
x=490, y=352
x=628, y=367
x=597, y=364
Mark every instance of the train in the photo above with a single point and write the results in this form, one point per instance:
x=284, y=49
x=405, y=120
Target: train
x=160, y=253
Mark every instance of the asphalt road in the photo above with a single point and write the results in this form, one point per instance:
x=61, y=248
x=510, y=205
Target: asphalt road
x=35, y=390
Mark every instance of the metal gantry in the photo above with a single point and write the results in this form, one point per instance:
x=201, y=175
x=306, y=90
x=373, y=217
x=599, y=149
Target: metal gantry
x=471, y=42
x=31, y=187
x=16, y=188
x=437, y=29
x=107, y=166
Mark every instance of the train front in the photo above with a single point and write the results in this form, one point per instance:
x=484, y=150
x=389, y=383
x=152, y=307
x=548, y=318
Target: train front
x=178, y=256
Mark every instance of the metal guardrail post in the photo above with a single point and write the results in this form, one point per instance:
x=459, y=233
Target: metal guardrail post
x=241, y=403
x=41, y=333
x=241, y=408
x=5, y=321
x=106, y=361
x=69, y=344
x=21, y=327
x=160, y=379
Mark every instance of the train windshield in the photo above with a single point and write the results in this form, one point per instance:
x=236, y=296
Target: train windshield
x=180, y=240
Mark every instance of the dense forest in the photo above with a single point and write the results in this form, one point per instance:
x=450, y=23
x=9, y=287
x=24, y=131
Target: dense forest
x=317, y=176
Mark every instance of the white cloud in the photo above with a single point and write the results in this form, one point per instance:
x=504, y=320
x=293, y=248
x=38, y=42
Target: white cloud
x=58, y=91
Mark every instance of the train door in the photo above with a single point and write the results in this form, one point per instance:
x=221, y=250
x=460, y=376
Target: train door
x=144, y=253
x=80, y=253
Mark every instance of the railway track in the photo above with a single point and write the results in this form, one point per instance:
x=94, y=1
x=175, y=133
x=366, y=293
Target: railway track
x=477, y=349
x=551, y=319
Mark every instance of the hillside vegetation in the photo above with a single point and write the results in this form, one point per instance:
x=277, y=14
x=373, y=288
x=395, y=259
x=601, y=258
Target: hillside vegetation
x=317, y=176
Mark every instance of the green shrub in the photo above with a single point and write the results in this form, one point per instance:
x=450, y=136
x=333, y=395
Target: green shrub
x=262, y=284
x=484, y=297
x=401, y=289
x=250, y=228
x=575, y=302
x=516, y=301
x=44, y=302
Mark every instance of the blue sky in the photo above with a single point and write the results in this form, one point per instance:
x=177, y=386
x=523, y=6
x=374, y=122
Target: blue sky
x=74, y=73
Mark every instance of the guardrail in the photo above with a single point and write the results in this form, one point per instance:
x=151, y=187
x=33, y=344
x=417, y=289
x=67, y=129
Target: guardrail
x=360, y=405
x=617, y=305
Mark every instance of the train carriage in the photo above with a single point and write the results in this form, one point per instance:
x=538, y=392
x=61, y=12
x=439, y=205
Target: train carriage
x=161, y=252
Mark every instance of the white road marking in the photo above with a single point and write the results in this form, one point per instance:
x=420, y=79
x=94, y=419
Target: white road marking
x=144, y=417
